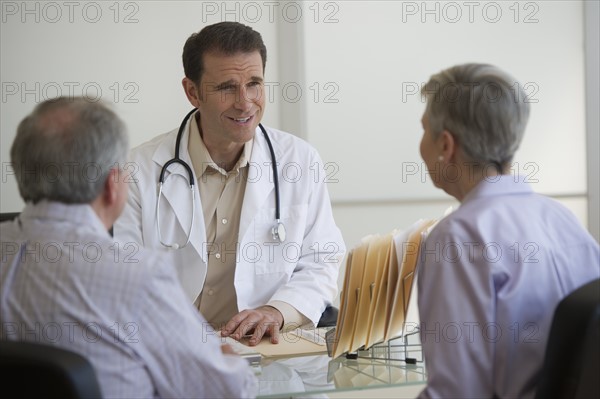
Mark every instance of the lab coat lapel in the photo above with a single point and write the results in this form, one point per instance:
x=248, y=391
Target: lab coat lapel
x=180, y=199
x=260, y=182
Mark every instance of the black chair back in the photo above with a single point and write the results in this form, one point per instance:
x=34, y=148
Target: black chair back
x=329, y=317
x=8, y=216
x=31, y=370
x=572, y=364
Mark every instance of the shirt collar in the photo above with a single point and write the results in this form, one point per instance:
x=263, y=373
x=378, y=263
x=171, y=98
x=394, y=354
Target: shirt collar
x=510, y=184
x=201, y=158
x=81, y=215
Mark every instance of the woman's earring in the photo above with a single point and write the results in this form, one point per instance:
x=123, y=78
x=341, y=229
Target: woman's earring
x=441, y=158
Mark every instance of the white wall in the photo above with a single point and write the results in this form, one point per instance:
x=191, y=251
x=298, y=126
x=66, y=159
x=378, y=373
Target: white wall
x=378, y=54
x=342, y=74
x=131, y=57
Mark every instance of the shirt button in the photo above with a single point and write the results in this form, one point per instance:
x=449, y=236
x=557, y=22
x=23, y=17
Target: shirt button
x=218, y=256
x=210, y=292
x=224, y=221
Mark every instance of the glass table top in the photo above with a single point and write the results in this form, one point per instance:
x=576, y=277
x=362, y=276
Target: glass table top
x=315, y=375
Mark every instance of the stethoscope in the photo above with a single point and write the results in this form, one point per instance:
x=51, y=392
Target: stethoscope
x=277, y=231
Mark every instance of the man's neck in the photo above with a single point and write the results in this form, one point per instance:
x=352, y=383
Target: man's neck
x=104, y=212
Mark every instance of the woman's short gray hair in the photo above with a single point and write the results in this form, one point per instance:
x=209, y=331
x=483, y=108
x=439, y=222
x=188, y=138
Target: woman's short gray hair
x=484, y=108
x=64, y=150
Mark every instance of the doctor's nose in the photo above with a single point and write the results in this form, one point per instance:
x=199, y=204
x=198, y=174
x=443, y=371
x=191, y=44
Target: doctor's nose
x=244, y=100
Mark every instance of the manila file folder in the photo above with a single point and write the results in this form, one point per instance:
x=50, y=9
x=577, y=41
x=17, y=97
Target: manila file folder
x=407, y=269
x=347, y=317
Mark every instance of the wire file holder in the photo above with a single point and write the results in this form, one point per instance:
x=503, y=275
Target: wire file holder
x=397, y=349
x=401, y=342
x=396, y=361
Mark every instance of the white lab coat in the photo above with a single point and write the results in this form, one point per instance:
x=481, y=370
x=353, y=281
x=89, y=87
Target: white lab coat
x=302, y=271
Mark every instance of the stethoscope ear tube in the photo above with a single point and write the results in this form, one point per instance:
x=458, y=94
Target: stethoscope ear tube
x=180, y=132
x=278, y=230
x=177, y=159
x=161, y=178
x=189, y=232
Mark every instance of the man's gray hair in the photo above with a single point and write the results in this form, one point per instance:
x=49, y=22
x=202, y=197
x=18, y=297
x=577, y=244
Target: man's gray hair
x=64, y=150
x=484, y=108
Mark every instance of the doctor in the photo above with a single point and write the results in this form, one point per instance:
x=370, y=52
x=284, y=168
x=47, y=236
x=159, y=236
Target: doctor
x=245, y=268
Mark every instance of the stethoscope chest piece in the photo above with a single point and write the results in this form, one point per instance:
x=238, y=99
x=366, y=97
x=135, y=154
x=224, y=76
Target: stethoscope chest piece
x=278, y=232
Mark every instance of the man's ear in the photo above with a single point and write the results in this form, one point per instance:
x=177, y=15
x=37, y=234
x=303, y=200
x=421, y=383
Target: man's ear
x=111, y=187
x=191, y=92
x=106, y=203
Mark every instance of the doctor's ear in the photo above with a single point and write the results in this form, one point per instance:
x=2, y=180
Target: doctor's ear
x=191, y=91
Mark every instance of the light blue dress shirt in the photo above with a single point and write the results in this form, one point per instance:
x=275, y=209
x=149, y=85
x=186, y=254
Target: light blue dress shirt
x=491, y=276
x=64, y=282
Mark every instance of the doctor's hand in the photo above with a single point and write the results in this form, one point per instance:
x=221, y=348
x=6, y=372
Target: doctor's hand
x=260, y=321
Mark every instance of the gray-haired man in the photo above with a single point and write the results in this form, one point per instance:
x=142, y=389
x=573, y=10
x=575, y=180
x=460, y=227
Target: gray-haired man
x=65, y=282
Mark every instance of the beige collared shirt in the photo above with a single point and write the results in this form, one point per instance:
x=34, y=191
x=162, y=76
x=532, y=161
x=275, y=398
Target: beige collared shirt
x=222, y=195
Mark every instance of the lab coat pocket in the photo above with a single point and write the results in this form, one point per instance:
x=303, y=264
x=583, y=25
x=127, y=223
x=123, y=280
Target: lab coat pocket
x=271, y=256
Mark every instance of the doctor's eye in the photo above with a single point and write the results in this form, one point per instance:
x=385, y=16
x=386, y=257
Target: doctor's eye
x=227, y=88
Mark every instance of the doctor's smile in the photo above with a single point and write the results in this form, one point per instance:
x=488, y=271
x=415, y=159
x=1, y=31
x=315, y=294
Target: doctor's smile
x=241, y=121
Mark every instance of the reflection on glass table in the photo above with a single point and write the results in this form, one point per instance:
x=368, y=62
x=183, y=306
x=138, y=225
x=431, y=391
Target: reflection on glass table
x=315, y=375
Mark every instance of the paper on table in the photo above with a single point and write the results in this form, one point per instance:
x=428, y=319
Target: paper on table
x=289, y=345
x=314, y=335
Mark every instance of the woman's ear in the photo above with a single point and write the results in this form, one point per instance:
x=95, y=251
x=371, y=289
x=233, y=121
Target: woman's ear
x=448, y=145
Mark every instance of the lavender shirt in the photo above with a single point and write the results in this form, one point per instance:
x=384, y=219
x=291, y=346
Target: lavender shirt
x=491, y=276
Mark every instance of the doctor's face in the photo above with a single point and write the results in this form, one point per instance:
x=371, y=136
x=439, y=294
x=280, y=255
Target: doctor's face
x=230, y=98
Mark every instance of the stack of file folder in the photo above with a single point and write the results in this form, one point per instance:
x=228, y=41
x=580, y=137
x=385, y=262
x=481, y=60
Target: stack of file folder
x=377, y=288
